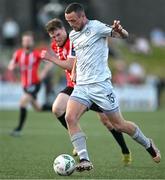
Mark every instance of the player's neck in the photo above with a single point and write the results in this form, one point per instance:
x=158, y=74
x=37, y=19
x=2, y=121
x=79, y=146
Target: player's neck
x=28, y=50
x=85, y=22
x=66, y=38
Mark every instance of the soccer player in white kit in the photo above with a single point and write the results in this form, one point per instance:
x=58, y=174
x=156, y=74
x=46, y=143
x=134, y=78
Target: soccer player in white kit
x=93, y=84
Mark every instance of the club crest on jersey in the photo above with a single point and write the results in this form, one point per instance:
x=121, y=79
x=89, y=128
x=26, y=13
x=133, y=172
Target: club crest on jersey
x=87, y=32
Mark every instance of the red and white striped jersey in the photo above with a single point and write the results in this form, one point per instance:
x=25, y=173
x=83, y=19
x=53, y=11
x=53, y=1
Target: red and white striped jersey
x=67, y=51
x=28, y=64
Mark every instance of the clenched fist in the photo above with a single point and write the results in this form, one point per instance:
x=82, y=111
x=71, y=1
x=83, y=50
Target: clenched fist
x=46, y=55
x=117, y=26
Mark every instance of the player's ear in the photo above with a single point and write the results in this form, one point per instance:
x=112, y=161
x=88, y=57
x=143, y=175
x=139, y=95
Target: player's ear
x=79, y=14
x=82, y=14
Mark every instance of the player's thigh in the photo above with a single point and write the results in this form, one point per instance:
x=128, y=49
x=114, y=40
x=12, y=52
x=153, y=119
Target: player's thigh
x=74, y=110
x=25, y=100
x=105, y=120
x=60, y=104
x=103, y=95
x=78, y=103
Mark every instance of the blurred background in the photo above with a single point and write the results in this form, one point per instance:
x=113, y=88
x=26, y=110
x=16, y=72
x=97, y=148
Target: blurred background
x=137, y=63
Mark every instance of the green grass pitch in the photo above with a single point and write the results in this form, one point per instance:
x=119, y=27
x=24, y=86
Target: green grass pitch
x=31, y=156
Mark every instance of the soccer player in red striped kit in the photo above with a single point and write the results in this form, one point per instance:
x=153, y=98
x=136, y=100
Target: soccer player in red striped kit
x=28, y=60
x=64, y=57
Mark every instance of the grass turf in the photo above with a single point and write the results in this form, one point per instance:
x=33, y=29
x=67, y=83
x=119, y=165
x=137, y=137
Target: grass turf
x=31, y=156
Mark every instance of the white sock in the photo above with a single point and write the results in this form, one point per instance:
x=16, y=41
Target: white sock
x=79, y=143
x=141, y=138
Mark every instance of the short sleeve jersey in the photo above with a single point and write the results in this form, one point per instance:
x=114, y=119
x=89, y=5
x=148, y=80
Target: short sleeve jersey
x=91, y=47
x=29, y=65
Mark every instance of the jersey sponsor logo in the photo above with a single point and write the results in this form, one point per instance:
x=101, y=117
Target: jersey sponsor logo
x=81, y=46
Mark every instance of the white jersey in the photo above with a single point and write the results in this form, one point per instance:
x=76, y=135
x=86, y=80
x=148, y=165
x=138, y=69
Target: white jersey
x=91, y=47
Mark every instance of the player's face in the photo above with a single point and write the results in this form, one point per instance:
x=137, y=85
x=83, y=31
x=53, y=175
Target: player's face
x=27, y=42
x=59, y=36
x=75, y=20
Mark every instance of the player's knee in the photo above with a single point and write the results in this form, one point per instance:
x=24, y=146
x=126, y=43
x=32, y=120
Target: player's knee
x=119, y=126
x=70, y=118
x=22, y=103
x=106, y=122
x=118, y=122
x=25, y=100
x=57, y=111
x=108, y=125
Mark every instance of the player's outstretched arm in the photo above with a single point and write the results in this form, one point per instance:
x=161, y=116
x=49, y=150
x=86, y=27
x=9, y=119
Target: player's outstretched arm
x=68, y=64
x=13, y=62
x=118, y=31
x=11, y=65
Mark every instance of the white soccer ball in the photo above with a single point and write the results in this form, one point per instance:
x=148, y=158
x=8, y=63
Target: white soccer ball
x=64, y=165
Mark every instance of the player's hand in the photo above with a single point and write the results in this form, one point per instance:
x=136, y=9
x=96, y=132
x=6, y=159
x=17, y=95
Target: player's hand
x=73, y=77
x=117, y=26
x=11, y=66
x=45, y=55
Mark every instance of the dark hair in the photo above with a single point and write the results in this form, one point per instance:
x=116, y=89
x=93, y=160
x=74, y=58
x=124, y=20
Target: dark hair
x=74, y=7
x=28, y=33
x=54, y=24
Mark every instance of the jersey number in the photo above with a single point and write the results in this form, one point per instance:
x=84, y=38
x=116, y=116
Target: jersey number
x=111, y=98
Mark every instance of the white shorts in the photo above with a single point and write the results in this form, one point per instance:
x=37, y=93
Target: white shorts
x=101, y=93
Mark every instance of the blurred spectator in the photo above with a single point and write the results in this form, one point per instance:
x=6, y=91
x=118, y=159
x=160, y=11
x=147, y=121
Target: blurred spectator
x=136, y=73
x=9, y=76
x=10, y=32
x=113, y=48
x=157, y=37
x=159, y=83
x=141, y=45
x=120, y=75
x=1, y=71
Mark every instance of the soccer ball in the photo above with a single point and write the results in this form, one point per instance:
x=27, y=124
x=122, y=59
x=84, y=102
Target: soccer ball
x=64, y=165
